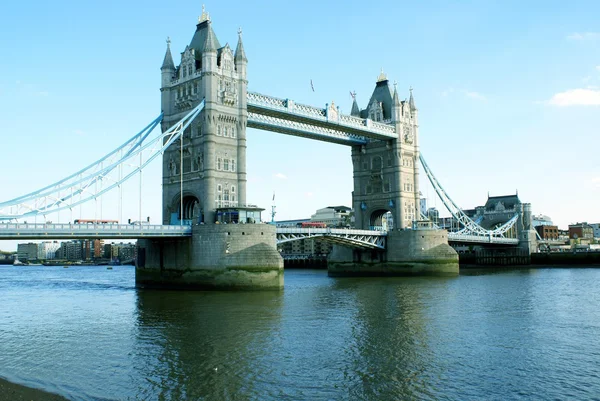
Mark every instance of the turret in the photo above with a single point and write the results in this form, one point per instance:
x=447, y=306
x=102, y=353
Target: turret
x=209, y=51
x=413, y=108
x=396, y=105
x=241, y=62
x=167, y=71
x=355, y=112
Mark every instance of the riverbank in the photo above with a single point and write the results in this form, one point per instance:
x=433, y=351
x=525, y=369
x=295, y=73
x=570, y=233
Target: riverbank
x=15, y=392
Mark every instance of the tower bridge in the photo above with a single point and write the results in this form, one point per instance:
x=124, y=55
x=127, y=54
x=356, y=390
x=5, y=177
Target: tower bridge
x=205, y=110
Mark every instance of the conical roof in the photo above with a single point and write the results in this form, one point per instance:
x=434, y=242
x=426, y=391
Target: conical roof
x=240, y=54
x=204, y=39
x=355, y=110
x=411, y=101
x=168, y=61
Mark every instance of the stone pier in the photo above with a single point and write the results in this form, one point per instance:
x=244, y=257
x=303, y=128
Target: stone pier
x=217, y=256
x=408, y=253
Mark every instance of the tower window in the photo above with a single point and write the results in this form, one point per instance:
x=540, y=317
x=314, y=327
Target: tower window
x=219, y=163
x=219, y=130
x=232, y=165
x=226, y=164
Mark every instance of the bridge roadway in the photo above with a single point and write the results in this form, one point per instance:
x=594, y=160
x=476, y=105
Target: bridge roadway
x=366, y=239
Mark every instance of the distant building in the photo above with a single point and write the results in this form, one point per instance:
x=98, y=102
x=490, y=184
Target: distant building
x=596, y=228
x=581, y=231
x=423, y=207
x=27, y=252
x=333, y=216
x=71, y=251
x=47, y=250
x=541, y=220
x=547, y=232
x=92, y=249
x=433, y=214
x=123, y=251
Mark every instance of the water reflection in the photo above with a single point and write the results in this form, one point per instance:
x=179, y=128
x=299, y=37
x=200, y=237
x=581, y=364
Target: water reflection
x=194, y=345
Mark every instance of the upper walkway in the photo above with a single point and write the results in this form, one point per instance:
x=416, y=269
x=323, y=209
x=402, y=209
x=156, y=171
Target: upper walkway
x=328, y=124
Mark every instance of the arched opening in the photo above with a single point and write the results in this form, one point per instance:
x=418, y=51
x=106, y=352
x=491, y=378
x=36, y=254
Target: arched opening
x=381, y=220
x=187, y=210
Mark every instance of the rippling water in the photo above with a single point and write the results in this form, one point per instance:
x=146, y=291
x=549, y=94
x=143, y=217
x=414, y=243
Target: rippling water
x=87, y=333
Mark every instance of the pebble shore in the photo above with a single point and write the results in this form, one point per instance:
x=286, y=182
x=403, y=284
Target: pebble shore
x=15, y=392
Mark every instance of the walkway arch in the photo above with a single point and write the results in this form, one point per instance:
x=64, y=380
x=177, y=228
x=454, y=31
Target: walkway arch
x=187, y=209
x=381, y=220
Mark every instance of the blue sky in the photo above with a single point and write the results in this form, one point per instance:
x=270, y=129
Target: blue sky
x=508, y=92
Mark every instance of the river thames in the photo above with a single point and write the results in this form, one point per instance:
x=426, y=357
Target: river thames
x=87, y=333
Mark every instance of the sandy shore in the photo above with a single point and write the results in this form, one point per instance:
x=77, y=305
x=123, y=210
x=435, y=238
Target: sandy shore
x=15, y=392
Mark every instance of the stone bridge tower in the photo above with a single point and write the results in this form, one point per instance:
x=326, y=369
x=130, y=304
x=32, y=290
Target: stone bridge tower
x=386, y=180
x=212, y=169
x=386, y=175
x=204, y=178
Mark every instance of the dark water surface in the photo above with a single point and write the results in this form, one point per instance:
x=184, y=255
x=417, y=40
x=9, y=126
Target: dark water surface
x=87, y=333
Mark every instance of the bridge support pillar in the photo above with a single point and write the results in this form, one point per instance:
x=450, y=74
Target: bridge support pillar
x=217, y=256
x=408, y=253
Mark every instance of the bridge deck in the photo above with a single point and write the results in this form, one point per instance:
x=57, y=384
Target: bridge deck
x=91, y=231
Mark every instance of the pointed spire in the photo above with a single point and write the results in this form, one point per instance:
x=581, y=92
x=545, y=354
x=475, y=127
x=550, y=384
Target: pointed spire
x=396, y=98
x=355, y=110
x=205, y=16
x=412, y=101
x=240, y=54
x=168, y=61
x=209, y=43
x=382, y=77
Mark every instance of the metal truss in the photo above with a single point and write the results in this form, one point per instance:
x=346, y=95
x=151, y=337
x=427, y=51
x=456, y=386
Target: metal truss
x=305, y=130
x=329, y=118
x=104, y=175
x=364, y=239
x=470, y=227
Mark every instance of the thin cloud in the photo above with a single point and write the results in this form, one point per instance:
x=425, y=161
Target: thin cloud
x=309, y=194
x=596, y=182
x=584, y=36
x=576, y=97
x=280, y=176
x=79, y=132
x=475, y=95
x=598, y=67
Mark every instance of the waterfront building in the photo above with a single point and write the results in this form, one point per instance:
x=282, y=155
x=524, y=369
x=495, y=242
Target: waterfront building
x=27, y=252
x=123, y=251
x=71, y=251
x=581, y=231
x=92, y=249
x=547, y=232
x=47, y=250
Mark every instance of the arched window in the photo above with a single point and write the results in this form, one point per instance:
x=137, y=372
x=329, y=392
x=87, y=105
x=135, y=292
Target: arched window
x=232, y=165
x=218, y=130
x=233, y=132
x=219, y=163
x=219, y=188
x=376, y=163
x=233, y=189
x=226, y=164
